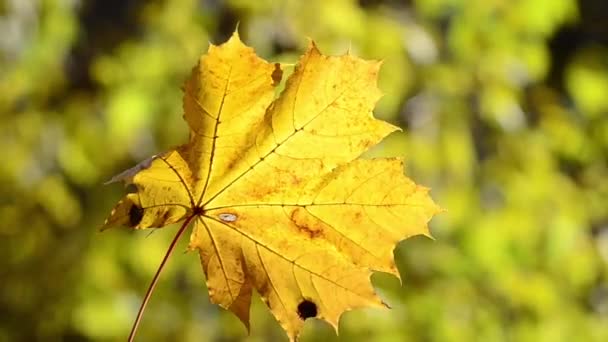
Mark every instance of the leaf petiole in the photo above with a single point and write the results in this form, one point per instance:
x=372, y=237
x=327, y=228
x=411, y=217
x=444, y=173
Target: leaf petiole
x=157, y=275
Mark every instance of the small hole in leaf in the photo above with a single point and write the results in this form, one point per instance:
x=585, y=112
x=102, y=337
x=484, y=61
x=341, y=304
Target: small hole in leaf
x=135, y=215
x=307, y=309
x=277, y=74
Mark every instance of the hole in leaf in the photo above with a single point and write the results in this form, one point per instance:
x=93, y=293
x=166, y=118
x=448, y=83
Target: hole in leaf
x=277, y=74
x=307, y=309
x=135, y=215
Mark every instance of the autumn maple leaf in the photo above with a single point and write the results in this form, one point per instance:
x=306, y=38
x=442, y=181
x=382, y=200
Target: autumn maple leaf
x=278, y=199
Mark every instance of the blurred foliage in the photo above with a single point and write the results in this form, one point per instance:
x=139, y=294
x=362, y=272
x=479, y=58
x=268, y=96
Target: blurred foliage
x=504, y=106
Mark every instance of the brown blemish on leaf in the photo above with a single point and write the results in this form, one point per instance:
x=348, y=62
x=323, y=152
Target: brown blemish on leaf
x=306, y=223
x=135, y=215
x=262, y=191
x=295, y=180
x=307, y=309
x=264, y=287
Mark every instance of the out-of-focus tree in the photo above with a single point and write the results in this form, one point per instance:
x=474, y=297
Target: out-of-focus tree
x=505, y=116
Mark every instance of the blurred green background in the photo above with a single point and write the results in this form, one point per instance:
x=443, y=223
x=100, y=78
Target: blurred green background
x=504, y=105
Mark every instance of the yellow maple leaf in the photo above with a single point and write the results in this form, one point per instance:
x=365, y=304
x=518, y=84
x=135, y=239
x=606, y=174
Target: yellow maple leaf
x=278, y=199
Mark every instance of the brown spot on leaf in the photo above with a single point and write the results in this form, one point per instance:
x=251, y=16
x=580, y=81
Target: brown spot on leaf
x=264, y=289
x=295, y=180
x=306, y=223
x=307, y=309
x=135, y=215
x=364, y=144
x=261, y=191
x=358, y=217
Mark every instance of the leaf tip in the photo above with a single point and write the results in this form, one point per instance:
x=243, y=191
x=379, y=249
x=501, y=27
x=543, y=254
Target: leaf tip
x=105, y=227
x=312, y=47
x=235, y=38
x=235, y=35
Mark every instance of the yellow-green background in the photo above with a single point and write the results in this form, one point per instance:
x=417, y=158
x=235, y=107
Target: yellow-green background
x=504, y=105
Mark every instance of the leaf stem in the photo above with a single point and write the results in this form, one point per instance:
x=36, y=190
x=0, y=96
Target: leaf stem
x=157, y=275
